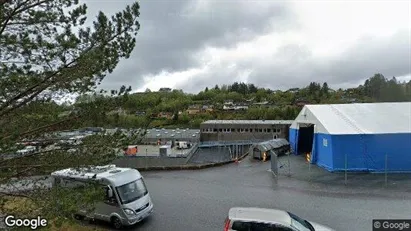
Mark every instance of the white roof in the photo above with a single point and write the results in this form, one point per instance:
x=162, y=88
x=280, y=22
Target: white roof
x=358, y=118
x=110, y=172
x=259, y=215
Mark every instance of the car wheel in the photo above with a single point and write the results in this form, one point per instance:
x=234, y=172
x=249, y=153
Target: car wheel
x=115, y=221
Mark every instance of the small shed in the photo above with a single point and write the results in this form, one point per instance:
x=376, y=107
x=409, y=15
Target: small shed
x=165, y=150
x=278, y=146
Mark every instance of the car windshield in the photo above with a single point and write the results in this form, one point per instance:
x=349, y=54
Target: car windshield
x=132, y=191
x=300, y=223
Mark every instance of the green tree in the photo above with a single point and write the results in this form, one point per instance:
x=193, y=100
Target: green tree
x=325, y=90
x=47, y=51
x=374, y=85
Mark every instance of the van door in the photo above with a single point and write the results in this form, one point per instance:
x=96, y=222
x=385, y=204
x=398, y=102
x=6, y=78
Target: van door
x=110, y=205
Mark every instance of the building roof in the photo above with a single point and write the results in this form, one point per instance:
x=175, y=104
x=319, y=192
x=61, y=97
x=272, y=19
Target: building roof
x=271, y=144
x=172, y=133
x=178, y=133
x=358, y=118
x=248, y=122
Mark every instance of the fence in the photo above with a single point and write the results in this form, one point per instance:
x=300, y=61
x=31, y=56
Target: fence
x=228, y=143
x=216, y=154
x=297, y=167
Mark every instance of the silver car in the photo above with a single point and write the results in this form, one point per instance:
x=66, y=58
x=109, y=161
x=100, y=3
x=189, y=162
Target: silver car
x=261, y=219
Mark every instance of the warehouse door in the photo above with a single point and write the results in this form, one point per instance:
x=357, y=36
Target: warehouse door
x=305, y=138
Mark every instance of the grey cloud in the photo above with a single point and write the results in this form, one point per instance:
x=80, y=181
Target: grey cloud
x=295, y=66
x=217, y=75
x=389, y=56
x=171, y=34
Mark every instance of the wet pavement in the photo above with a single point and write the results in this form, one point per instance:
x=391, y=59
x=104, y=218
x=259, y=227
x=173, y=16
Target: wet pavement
x=200, y=200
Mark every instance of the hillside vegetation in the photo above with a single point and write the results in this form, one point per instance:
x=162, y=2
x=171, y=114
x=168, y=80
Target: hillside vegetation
x=174, y=108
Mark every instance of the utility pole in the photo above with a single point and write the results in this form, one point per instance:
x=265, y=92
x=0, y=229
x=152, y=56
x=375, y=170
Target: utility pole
x=345, y=167
x=386, y=170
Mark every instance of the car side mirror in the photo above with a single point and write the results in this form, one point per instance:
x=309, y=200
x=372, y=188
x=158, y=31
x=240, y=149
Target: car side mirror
x=109, y=192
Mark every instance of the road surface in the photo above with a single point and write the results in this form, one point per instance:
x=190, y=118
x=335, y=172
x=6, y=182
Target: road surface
x=200, y=200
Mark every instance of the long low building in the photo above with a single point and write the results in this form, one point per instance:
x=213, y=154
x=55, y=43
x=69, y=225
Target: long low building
x=234, y=130
x=357, y=137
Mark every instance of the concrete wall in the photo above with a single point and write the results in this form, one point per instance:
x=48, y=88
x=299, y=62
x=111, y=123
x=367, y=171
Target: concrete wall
x=144, y=162
x=232, y=132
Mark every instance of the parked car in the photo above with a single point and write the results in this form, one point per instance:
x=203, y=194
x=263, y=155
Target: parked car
x=263, y=219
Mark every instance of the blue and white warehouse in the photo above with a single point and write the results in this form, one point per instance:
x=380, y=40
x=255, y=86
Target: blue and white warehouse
x=372, y=137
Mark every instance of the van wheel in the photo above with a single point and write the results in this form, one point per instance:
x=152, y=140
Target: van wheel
x=115, y=221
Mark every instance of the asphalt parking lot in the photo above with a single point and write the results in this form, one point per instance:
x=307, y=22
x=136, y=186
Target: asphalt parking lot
x=200, y=199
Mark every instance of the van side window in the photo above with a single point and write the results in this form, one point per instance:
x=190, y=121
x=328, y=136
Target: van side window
x=282, y=228
x=253, y=226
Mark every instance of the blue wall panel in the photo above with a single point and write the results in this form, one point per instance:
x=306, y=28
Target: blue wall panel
x=293, y=139
x=323, y=151
x=367, y=152
x=363, y=152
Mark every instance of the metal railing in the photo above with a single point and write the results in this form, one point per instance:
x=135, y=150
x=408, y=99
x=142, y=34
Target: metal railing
x=231, y=142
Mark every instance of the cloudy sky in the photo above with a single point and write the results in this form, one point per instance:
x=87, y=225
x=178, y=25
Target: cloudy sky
x=192, y=44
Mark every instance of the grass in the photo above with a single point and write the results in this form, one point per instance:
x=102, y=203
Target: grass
x=21, y=206
x=18, y=205
x=72, y=226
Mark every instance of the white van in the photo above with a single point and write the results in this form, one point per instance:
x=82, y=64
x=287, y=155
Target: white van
x=183, y=145
x=127, y=198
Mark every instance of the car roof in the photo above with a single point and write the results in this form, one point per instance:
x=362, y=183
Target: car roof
x=259, y=215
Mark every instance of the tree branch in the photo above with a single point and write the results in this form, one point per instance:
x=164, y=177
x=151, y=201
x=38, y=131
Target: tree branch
x=16, y=195
x=41, y=128
x=68, y=65
x=31, y=166
x=2, y=2
x=18, y=11
x=34, y=23
x=20, y=172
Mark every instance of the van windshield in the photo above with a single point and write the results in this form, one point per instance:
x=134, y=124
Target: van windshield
x=300, y=223
x=132, y=191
